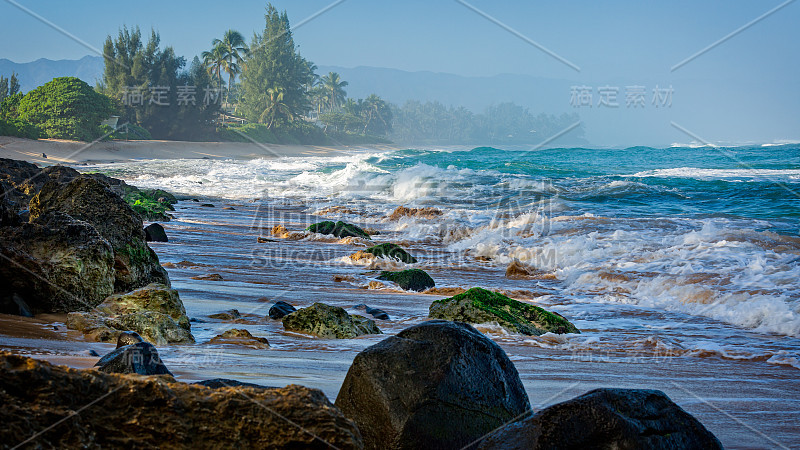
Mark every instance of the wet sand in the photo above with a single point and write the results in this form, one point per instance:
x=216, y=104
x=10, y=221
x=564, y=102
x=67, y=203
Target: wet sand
x=74, y=152
x=747, y=403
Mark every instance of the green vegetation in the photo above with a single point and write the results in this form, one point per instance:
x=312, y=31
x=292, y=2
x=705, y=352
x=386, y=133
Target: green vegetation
x=300, y=132
x=272, y=95
x=505, y=123
x=232, y=48
x=411, y=279
x=66, y=108
x=151, y=204
x=392, y=251
x=133, y=68
x=127, y=132
x=339, y=229
x=478, y=305
x=274, y=75
x=19, y=128
x=9, y=86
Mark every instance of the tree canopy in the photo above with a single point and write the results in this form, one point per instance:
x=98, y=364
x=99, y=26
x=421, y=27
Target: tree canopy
x=66, y=108
x=274, y=67
x=152, y=89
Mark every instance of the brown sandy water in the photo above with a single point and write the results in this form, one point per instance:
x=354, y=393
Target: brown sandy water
x=716, y=371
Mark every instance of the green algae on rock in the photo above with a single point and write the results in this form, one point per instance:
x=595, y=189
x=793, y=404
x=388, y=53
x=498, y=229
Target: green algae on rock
x=410, y=280
x=154, y=311
x=331, y=322
x=391, y=251
x=339, y=229
x=478, y=305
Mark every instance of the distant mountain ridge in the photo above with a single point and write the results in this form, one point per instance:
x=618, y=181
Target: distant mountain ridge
x=36, y=73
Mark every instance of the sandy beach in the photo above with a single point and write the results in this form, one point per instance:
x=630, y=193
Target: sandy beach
x=75, y=152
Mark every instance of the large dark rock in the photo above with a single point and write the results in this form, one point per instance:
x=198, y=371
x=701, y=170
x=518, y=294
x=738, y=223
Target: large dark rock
x=131, y=411
x=410, y=280
x=391, y=251
x=606, y=419
x=21, y=179
x=339, y=229
x=90, y=200
x=436, y=385
x=141, y=358
x=330, y=322
x=478, y=305
x=8, y=213
x=281, y=309
x=55, y=263
x=155, y=233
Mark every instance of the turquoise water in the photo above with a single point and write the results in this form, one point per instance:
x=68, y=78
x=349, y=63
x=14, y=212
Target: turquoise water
x=709, y=232
x=742, y=182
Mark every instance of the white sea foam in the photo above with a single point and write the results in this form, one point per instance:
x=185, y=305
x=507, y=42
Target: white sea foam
x=721, y=174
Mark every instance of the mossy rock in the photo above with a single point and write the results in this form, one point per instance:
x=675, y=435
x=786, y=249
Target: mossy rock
x=391, y=251
x=410, y=280
x=478, y=305
x=339, y=229
x=151, y=204
x=331, y=322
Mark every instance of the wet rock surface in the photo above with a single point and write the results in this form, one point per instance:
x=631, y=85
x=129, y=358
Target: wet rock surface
x=434, y=385
x=132, y=411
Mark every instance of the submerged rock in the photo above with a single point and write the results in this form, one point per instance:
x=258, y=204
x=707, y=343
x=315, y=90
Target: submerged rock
x=425, y=213
x=240, y=337
x=410, y=280
x=155, y=233
x=607, y=418
x=436, y=385
x=391, y=251
x=374, y=312
x=140, y=358
x=55, y=263
x=231, y=314
x=209, y=277
x=131, y=411
x=516, y=270
x=331, y=322
x=90, y=200
x=281, y=309
x=217, y=383
x=478, y=305
x=339, y=229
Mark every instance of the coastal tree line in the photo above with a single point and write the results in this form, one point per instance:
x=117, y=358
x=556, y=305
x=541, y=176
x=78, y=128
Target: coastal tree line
x=262, y=91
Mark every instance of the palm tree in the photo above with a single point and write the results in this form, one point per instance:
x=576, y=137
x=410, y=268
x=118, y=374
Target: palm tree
x=214, y=61
x=375, y=109
x=276, y=108
x=333, y=87
x=235, y=51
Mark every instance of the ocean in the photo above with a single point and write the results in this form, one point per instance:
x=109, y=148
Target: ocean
x=679, y=265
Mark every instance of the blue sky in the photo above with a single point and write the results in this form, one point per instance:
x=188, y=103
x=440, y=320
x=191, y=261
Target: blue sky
x=612, y=42
x=603, y=38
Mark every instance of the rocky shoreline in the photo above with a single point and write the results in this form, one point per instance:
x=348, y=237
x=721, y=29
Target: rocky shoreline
x=75, y=243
